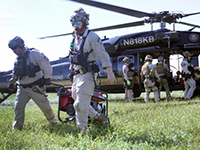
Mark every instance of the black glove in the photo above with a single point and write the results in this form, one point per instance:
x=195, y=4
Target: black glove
x=47, y=81
x=70, y=76
x=11, y=86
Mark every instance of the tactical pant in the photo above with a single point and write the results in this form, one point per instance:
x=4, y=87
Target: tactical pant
x=39, y=96
x=164, y=83
x=128, y=91
x=82, y=89
x=128, y=95
x=149, y=86
x=190, y=86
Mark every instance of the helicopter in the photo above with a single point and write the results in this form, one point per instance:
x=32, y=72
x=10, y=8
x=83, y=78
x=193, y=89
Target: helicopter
x=134, y=45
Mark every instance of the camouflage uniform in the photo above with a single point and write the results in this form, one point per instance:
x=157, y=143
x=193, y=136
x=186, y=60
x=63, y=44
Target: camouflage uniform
x=83, y=84
x=35, y=92
x=189, y=82
x=148, y=72
x=127, y=75
x=162, y=69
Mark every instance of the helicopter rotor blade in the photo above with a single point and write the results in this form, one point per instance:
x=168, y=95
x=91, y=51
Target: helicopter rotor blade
x=58, y=35
x=189, y=24
x=186, y=15
x=122, y=10
x=125, y=25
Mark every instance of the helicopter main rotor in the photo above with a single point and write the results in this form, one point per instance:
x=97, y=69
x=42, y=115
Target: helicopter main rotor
x=162, y=17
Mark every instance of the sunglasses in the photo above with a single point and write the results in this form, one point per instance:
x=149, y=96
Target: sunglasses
x=78, y=23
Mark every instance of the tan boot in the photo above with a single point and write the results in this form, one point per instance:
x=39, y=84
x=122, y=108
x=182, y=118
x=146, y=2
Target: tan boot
x=101, y=119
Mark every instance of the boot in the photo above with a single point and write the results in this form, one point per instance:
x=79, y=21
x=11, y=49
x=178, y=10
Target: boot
x=81, y=131
x=101, y=119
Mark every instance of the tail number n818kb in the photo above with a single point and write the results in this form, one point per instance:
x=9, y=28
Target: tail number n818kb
x=139, y=40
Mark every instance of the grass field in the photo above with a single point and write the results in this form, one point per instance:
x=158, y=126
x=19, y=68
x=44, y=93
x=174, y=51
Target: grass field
x=137, y=125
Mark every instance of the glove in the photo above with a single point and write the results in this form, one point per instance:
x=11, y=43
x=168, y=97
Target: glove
x=47, y=81
x=11, y=86
x=128, y=82
x=70, y=76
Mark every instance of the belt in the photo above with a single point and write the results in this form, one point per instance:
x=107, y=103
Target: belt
x=30, y=85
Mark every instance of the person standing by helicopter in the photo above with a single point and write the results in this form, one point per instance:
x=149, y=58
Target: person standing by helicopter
x=127, y=75
x=86, y=47
x=32, y=71
x=162, y=69
x=188, y=75
x=148, y=73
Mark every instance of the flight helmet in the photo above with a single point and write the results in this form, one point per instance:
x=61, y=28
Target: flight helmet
x=160, y=58
x=187, y=54
x=126, y=60
x=80, y=15
x=16, y=42
x=148, y=57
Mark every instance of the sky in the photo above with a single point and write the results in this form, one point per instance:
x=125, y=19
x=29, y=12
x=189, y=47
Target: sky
x=32, y=19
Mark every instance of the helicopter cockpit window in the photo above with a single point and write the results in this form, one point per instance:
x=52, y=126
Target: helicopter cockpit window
x=120, y=63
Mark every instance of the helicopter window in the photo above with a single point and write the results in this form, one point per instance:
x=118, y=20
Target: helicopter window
x=120, y=63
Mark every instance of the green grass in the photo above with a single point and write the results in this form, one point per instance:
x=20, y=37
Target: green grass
x=137, y=125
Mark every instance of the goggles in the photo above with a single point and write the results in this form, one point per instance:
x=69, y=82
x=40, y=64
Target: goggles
x=77, y=22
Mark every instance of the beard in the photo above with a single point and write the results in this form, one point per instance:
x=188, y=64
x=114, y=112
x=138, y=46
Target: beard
x=79, y=31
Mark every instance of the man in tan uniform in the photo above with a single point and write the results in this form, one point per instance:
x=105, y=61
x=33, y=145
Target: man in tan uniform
x=85, y=49
x=32, y=71
x=148, y=73
x=162, y=69
x=127, y=75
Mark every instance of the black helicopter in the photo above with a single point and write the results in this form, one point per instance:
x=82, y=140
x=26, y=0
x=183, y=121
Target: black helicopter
x=134, y=45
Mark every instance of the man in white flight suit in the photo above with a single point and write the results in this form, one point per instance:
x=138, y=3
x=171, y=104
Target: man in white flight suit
x=148, y=73
x=32, y=71
x=187, y=73
x=85, y=49
x=127, y=75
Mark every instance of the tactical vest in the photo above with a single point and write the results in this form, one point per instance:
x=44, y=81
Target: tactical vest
x=145, y=69
x=160, y=68
x=24, y=67
x=80, y=57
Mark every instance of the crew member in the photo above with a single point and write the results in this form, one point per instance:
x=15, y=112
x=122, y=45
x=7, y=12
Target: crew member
x=127, y=75
x=162, y=69
x=85, y=49
x=148, y=73
x=188, y=74
x=32, y=71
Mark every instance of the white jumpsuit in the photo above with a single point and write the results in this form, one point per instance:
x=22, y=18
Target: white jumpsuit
x=83, y=84
x=190, y=83
x=128, y=90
